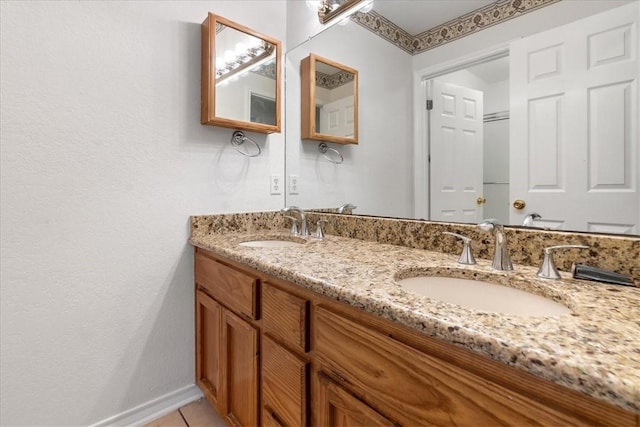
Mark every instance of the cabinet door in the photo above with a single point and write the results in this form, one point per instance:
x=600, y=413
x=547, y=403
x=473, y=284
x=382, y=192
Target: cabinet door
x=240, y=366
x=336, y=407
x=208, y=351
x=284, y=386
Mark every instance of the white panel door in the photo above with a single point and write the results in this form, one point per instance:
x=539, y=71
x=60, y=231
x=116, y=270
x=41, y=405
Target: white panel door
x=336, y=118
x=456, y=153
x=574, y=132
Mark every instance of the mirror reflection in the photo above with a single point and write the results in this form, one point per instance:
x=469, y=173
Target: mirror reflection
x=329, y=101
x=243, y=84
x=245, y=70
x=575, y=166
x=469, y=143
x=329, y=9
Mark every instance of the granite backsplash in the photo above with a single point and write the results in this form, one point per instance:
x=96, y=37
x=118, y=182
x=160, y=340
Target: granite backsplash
x=611, y=252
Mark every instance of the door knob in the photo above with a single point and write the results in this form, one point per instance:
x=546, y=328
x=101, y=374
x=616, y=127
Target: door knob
x=519, y=204
x=481, y=200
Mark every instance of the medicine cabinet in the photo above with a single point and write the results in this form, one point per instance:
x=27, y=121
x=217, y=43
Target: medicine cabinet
x=329, y=101
x=241, y=77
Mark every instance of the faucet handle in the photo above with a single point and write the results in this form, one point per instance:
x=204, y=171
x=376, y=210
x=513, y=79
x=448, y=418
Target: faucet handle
x=294, y=225
x=548, y=268
x=319, y=233
x=466, y=257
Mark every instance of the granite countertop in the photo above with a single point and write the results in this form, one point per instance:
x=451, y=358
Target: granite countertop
x=595, y=349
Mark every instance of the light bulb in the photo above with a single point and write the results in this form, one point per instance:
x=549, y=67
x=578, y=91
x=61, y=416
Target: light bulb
x=241, y=49
x=254, y=42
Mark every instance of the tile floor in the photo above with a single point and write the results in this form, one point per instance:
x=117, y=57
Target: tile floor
x=196, y=414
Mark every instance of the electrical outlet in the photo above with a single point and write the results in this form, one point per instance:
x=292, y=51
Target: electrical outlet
x=276, y=184
x=293, y=184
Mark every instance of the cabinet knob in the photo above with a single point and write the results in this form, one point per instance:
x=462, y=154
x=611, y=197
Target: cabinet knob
x=481, y=200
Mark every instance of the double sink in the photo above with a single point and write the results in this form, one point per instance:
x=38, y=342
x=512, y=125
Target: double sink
x=474, y=293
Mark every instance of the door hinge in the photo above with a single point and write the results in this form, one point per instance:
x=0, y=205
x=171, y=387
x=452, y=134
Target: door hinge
x=429, y=104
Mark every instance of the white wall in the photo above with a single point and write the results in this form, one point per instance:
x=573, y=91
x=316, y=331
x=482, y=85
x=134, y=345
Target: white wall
x=496, y=97
x=103, y=159
x=302, y=23
x=375, y=175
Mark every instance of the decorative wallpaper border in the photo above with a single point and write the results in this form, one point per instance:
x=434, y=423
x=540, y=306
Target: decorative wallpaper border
x=332, y=81
x=465, y=25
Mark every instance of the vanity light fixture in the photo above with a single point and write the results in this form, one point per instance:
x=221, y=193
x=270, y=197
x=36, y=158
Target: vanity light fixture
x=330, y=9
x=243, y=59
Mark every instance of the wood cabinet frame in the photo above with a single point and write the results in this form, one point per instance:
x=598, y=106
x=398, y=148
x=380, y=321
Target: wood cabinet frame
x=208, y=114
x=308, y=97
x=357, y=393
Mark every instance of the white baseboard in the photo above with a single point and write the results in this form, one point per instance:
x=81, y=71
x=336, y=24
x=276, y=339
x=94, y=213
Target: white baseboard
x=153, y=409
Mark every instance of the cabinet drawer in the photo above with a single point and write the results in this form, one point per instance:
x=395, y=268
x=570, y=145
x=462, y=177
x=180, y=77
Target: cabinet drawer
x=337, y=407
x=415, y=388
x=234, y=289
x=284, y=386
x=285, y=317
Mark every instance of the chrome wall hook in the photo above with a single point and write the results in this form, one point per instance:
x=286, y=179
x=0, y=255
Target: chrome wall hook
x=238, y=138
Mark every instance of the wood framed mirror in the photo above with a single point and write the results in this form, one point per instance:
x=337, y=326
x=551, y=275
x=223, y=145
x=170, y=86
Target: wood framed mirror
x=329, y=101
x=241, y=77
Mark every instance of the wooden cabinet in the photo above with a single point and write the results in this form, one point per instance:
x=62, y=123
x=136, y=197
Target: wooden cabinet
x=284, y=385
x=225, y=83
x=234, y=289
x=337, y=407
x=285, y=316
x=239, y=397
x=227, y=361
x=416, y=388
x=271, y=353
x=208, y=343
x=227, y=345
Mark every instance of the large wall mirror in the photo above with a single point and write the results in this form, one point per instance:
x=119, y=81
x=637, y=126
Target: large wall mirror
x=392, y=171
x=329, y=100
x=240, y=77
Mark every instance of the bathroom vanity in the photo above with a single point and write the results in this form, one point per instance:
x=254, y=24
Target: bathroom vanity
x=322, y=334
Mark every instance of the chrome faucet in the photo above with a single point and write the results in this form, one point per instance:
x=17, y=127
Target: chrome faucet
x=304, y=230
x=528, y=220
x=342, y=208
x=501, y=257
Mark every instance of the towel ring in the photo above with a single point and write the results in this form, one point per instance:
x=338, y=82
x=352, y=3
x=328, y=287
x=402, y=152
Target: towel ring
x=238, y=139
x=323, y=148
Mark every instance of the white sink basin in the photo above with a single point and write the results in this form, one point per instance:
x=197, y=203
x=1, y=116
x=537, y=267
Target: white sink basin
x=483, y=296
x=270, y=243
